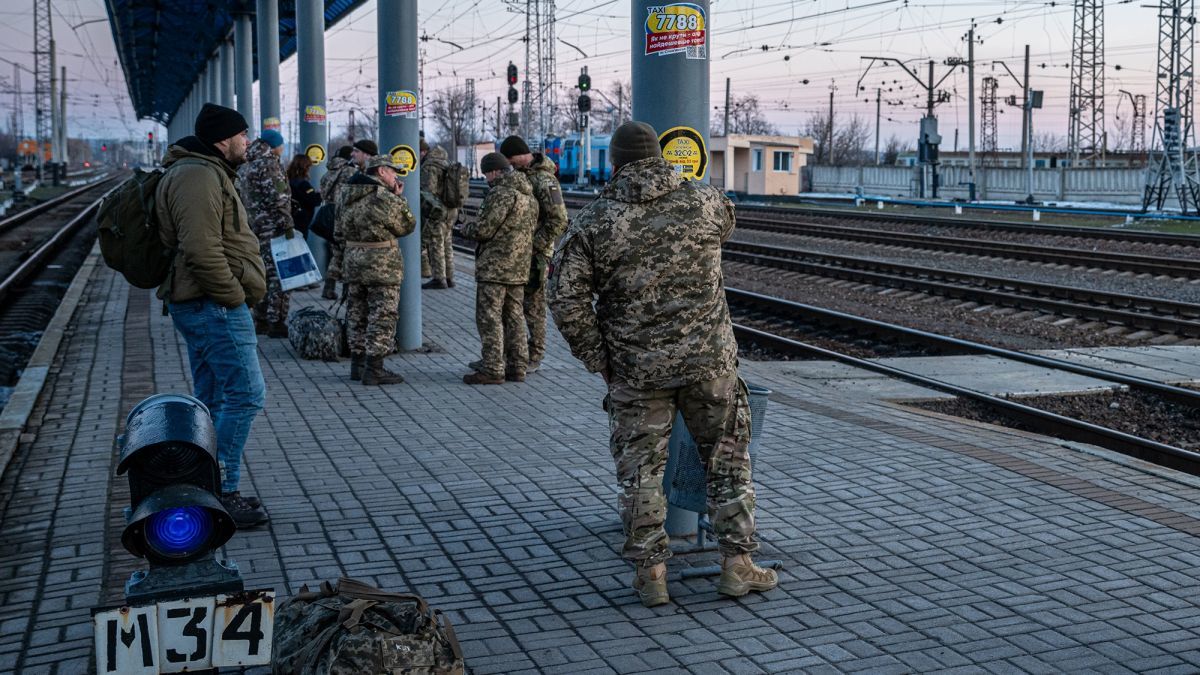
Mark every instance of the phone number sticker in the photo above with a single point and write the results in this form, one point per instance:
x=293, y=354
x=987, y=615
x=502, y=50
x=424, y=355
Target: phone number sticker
x=683, y=148
x=675, y=28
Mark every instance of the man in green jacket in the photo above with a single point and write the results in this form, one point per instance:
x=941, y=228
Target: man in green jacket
x=504, y=231
x=217, y=276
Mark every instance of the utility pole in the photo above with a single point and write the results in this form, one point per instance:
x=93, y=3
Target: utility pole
x=1085, y=136
x=470, y=123
x=1137, y=132
x=878, y=119
x=1173, y=161
x=1024, y=85
x=971, y=109
x=829, y=130
x=725, y=126
x=498, y=125
x=43, y=69
x=64, y=157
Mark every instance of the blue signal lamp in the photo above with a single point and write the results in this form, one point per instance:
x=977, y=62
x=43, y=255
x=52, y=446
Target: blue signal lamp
x=175, y=520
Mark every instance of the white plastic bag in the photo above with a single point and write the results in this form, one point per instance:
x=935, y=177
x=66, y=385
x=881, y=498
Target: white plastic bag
x=294, y=263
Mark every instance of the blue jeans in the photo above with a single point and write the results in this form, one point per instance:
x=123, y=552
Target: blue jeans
x=223, y=353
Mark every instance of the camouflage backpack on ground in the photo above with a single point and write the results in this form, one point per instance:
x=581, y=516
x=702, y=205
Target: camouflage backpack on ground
x=354, y=629
x=316, y=334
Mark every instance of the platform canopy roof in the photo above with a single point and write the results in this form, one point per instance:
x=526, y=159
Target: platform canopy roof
x=164, y=45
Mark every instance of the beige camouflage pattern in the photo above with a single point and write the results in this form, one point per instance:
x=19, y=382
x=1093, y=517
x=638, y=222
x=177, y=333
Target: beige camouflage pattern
x=367, y=212
x=435, y=230
x=315, y=334
x=649, y=251
x=371, y=315
x=501, y=329
x=717, y=413
x=264, y=190
x=552, y=222
x=504, y=230
x=340, y=170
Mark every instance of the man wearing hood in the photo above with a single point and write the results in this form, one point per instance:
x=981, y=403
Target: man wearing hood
x=340, y=170
x=504, y=230
x=648, y=250
x=371, y=214
x=217, y=275
x=436, y=237
x=552, y=222
x=264, y=190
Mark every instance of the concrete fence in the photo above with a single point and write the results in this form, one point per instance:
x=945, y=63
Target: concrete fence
x=1118, y=186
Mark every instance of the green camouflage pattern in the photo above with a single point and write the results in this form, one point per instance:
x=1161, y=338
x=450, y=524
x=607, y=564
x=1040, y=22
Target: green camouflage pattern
x=340, y=170
x=336, y=631
x=265, y=192
x=371, y=315
x=315, y=334
x=552, y=211
x=504, y=230
x=534, y=306
x=438, y=252
x=369, y=212
x=501, y=328
x=717, y=413
x=648, y=250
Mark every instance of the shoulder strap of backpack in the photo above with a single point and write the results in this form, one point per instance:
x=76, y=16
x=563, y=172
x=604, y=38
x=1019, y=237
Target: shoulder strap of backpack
x=352, y=588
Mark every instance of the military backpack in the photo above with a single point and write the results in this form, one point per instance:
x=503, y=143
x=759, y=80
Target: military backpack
x=456, y=185
x=354, y=629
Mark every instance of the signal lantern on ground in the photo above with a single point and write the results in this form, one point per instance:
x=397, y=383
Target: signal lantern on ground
x=175, y=519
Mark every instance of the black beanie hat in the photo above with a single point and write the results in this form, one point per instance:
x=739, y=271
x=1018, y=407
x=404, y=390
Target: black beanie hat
x=215, y=123
x=344, y=152
x=493, y=161
x=424, y=145
x=367, y=145
x=513, y=146
x=633, y=141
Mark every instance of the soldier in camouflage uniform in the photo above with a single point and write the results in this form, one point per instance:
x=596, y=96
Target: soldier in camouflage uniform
x=504, y=230
x=552, y=222
x=340, y=170
x=435, y=233
x=649, y=251
x=371, y=214
x=263, y=187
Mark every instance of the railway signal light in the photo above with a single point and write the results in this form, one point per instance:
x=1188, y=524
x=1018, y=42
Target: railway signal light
x=512, y=73
x=175, y=519
x=512, y=94
x=584, y=103
x=585, y=80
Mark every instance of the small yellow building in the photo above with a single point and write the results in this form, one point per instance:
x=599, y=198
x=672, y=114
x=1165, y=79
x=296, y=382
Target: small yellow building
x=758, y=165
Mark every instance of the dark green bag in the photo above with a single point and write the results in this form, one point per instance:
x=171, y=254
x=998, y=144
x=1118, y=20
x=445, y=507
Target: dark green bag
x=129, y=238
x=355, y=629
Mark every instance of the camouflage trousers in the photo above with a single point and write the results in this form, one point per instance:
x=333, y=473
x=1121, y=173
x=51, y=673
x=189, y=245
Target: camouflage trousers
x=274, y=305
x=717, y=413
x=371, y=314
x=498, y=317
x=437, y=241
x=535, y=319
x=334, y=269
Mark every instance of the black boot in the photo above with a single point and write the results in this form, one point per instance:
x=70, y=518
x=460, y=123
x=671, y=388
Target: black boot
x=330, y=290
x=357, y=363
x=375, y=373
x=434, y=283
x=278, y=329
x=242, y=511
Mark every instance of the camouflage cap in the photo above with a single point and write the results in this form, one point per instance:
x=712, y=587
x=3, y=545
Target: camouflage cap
x=378, y=161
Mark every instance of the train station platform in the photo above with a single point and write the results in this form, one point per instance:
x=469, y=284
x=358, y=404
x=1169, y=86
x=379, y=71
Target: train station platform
x=911, y=542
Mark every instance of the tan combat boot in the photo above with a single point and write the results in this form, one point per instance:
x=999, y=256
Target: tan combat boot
x=651, y=585
x=739, y=576
x=375, y=373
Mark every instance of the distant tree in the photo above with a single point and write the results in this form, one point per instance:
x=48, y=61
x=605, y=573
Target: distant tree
x=745, y=117
x=850, y=139
x=451, y=112
x=892, y=150
x=1048, y=141
x=609, y=113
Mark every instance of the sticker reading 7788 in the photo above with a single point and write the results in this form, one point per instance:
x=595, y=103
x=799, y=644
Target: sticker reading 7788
x=677, y=27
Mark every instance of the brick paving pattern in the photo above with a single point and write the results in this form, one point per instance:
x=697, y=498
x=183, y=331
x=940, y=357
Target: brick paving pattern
x=911, y=543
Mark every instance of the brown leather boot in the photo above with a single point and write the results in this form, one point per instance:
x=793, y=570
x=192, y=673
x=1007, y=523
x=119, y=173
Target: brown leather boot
x=479, y=378
x=375, y=373
x=357, y=363
x=651, y=585
x=739, y=576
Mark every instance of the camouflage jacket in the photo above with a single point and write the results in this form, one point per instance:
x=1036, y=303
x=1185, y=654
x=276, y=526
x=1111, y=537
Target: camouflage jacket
x=433, y=174
x=504, y=231
x=649, y=250
x=264, y=190
x=552, y=212
x=369, y=213
x=340, y=171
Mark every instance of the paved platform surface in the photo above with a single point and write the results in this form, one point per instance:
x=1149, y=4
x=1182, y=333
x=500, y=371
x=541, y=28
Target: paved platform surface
x=911, y=542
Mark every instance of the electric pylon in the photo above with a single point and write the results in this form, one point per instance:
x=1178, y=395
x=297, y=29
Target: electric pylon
x=1172, y=163
x=987, y=113
x=1085, y=139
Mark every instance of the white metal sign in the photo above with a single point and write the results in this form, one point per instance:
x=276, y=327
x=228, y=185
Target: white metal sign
x=186, y=635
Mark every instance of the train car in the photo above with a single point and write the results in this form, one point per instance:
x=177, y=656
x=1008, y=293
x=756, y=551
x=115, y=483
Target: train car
x=598, y=169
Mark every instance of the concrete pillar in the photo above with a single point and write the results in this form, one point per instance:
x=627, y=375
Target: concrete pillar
x=670, y=90
x=268, y=65
x=399, y=134
x=670, y=93
x=310, y=64
x=225, y=73
x=243, y=50
x=212, y=88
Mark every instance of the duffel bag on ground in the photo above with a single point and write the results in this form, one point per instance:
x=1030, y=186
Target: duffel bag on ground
x=355, y=629
x=315, y=334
